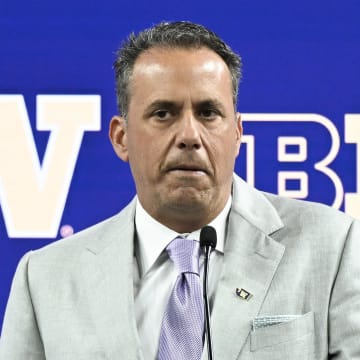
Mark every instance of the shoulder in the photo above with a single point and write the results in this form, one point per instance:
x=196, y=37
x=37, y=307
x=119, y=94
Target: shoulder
x=307, y=213
x=274, y=213
x=92, y=239
x=318, y=225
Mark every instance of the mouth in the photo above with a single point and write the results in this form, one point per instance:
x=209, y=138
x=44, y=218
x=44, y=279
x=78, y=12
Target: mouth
x=188, y=169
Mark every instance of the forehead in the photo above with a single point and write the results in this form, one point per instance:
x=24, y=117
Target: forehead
x=163, y=53
x=170, y=67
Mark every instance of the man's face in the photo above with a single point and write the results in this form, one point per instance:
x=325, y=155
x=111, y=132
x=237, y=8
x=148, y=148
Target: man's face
x=182, y=135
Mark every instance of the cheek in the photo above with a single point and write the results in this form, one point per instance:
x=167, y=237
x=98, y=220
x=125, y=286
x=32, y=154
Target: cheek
x=137, y=144
x=227, y=152
x=137, y=153
x=144, y=156
x=229, y=139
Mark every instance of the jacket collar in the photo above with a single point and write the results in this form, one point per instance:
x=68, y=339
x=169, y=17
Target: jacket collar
x=251, y=259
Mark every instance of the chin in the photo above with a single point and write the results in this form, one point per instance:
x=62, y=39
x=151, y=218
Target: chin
x=189, y=201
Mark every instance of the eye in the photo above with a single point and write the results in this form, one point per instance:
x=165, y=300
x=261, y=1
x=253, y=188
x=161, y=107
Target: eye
x=208, y=113
x=162, y=114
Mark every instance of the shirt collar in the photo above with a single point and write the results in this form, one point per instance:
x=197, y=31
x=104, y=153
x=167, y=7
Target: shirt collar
x=153, y=237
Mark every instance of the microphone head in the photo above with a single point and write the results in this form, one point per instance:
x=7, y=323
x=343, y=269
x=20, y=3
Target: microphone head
x=208, y=237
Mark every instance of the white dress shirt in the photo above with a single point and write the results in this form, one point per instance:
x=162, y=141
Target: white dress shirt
x=157, y=273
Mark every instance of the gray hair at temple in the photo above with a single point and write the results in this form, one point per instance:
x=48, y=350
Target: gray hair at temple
x=181, y=34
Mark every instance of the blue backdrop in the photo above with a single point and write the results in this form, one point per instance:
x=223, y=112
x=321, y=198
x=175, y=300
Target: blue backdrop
x=300, y=96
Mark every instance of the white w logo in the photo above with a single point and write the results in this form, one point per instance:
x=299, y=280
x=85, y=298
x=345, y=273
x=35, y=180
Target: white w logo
x=33, y=195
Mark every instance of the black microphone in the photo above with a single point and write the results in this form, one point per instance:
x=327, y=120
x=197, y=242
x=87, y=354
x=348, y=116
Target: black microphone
x=208, y=241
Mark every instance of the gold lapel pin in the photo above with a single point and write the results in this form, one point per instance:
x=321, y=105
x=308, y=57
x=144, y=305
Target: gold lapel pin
x=243, y=294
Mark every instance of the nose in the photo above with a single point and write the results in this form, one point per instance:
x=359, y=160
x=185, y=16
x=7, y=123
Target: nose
x=188, y=137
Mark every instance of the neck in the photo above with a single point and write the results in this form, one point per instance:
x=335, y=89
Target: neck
x=187, y=220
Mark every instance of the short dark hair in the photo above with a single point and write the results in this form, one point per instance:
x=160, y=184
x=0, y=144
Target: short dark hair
x=180, y=34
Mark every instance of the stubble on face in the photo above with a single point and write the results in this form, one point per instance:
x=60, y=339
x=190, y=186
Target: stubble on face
x=182, y=135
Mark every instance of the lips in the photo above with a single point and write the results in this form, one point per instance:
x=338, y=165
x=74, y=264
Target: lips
x=186, y=167
x=191, y=165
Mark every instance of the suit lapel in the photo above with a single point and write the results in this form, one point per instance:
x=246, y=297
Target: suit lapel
x=250, y=261
x=251, y=258
x=108, y=274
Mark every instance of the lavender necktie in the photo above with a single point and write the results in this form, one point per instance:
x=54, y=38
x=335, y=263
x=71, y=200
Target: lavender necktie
x=181, y=336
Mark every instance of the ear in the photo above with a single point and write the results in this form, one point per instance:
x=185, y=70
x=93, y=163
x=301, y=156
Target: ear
x=118, y=137
x=239, y=132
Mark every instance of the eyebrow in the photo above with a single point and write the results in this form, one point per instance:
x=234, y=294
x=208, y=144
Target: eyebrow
x=173, y=105
x=162, y=104
x=213, y=103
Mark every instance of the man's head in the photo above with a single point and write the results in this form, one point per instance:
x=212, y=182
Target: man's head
x=180, y=34
x=181, y=134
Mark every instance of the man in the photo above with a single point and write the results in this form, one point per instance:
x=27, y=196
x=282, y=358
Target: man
x=285, y=275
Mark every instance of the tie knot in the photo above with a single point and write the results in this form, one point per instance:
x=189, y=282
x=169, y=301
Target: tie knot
x=185, y=255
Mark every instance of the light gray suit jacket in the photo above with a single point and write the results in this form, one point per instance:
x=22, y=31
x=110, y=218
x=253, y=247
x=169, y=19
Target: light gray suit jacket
x=74, y=298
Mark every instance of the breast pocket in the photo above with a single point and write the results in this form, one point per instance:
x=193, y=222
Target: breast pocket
x=288, y=340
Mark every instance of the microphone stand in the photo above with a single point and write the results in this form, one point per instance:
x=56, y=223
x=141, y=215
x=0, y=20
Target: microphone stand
x=208, y=241
x=206, y=302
